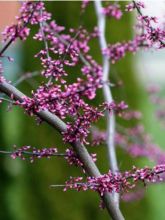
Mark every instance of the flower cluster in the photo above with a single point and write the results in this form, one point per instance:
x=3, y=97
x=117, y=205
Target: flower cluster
x=117, y=51
x=117, y=108
x=65, y=100
x=69, y=102
x=118, y=182
x=131, y=6
x=58, y=43
x=38, y=15
x=150, y=37
x=29, y=105
x=113, y=10
x=14, y=31
x=79, y=130
x=60, y=102
x=154, y=37
x=30, y=13
x=34, y=153
x=72, y=158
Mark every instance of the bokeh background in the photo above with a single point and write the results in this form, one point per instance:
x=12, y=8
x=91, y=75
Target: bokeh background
x=24, y=187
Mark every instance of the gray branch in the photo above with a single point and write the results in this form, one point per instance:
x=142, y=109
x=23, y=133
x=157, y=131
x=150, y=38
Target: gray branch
x=107, y=93
x=79, y=148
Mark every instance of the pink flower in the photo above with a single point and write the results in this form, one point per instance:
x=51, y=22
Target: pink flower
x=118, y=182
x=131, y=6
x=113, y=11
x=35, y=153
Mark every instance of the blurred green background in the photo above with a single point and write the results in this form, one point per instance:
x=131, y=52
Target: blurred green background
x=24, y=187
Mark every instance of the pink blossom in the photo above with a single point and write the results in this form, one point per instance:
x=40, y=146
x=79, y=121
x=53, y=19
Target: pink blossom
x=118, y=182
x=30, y=12
x=73, y=159
x=131, y=6
x=113, y=10
x=117, y=108
x=79, y=130
x=119, y=50
x=33, y=153
x=14, y=31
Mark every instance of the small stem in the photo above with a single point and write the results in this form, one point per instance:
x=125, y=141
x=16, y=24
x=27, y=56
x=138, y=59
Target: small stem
x=81, y=184
x=7, y=100
x=25, y=77
x=32, y=154
x=6, y=46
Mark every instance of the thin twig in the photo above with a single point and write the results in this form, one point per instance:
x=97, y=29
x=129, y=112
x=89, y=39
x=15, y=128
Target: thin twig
x=107, y=93
x=7, y=100
x=22, y=78
x=6, y=46
x=32, y=153
x=25, y=77
x=45, y=43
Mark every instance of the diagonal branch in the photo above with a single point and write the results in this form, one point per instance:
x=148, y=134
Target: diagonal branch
x=79, y=148
x=107, y=93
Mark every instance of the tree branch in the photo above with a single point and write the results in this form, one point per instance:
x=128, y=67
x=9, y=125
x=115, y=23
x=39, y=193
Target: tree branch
x=107, y=93
x=79, y=148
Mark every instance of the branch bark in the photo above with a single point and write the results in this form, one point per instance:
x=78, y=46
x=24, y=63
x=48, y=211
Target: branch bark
x=101, y=21
x=79, y=148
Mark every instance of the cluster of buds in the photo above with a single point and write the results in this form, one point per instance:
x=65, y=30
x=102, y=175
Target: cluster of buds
x=73, y=159
x=30, y=13
x=33, y=153
x=118, y=182
x=113, y=10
